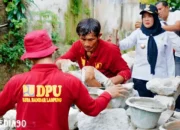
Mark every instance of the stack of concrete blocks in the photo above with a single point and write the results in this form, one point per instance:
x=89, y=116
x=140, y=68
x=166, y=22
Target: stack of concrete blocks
x=167, y=89
x=109, y=119
x=72, y=120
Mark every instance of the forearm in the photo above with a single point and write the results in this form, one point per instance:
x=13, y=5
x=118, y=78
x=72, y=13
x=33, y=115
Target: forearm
x=93, y=83
x=118, y=79
x=100, y=104
x=175, y=27
x=90, y=106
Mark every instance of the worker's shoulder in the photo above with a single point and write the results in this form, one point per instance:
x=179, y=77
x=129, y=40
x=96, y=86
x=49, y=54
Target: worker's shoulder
x=176, y=12
x=19, y=77
x=174, y=15
x=77, y=43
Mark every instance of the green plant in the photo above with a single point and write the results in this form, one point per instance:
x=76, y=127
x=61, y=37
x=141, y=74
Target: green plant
x=174, y=4
x=55, y=37
x=47, y=16
x=9, y=53
x=0, y=19
x=147, y=1
x=76, y=6
x=11, y=48
x=75, y=12
x=87, y=11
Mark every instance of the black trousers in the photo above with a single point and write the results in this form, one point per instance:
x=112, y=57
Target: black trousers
x=140, y=86
x=178, y=103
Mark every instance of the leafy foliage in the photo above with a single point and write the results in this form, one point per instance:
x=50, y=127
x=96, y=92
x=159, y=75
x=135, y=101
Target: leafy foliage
x=173, y=4
x=75, y=7
x=47, y=16
x=147, y=1
x=76, y=11
x=11, y=48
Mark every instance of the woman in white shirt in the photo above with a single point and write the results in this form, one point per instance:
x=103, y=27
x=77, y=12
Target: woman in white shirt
x=154, y=52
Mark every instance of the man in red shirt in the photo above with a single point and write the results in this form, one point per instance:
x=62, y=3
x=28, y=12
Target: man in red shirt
x=44, y=94
x=90, y=50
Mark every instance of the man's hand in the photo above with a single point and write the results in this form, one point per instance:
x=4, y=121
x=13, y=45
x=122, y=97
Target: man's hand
x=174, y=27
x=109, y=38
x=60, y=62
x=138, y=24
x=117, y=91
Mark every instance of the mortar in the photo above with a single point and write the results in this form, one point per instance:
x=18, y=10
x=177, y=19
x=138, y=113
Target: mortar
x=144, y=112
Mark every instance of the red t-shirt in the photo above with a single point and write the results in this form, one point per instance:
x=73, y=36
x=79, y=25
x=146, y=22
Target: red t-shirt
x=106, y=58
x=44, y=96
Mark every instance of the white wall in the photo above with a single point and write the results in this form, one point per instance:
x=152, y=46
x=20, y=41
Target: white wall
x=112, y=14
x=59, y=7
x=116, y=14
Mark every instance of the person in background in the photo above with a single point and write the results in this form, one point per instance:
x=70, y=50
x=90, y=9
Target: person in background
x=45, y=94
x=154, y=53
x=171, y=22
x=169, y=18
x=90, y=50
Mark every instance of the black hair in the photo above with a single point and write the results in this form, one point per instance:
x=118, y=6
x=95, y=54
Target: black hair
x=87, y=26
x=164, y=3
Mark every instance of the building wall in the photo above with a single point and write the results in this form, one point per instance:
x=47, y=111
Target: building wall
x=119, y=15
x=59, y=7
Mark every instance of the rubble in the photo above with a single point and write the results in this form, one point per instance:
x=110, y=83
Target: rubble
x=166, y=86
x=72, y=120
x=8, y=121
x=168, y=101
x=109, y=119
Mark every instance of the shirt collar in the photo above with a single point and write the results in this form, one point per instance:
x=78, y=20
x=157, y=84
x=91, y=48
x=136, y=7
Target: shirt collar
x=43, y=67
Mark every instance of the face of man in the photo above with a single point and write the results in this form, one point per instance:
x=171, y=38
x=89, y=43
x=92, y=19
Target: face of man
x=90, y=41
x=163, y=11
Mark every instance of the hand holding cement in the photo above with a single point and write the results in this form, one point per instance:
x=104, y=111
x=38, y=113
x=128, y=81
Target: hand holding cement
x=62, y=62
x=117, y=91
